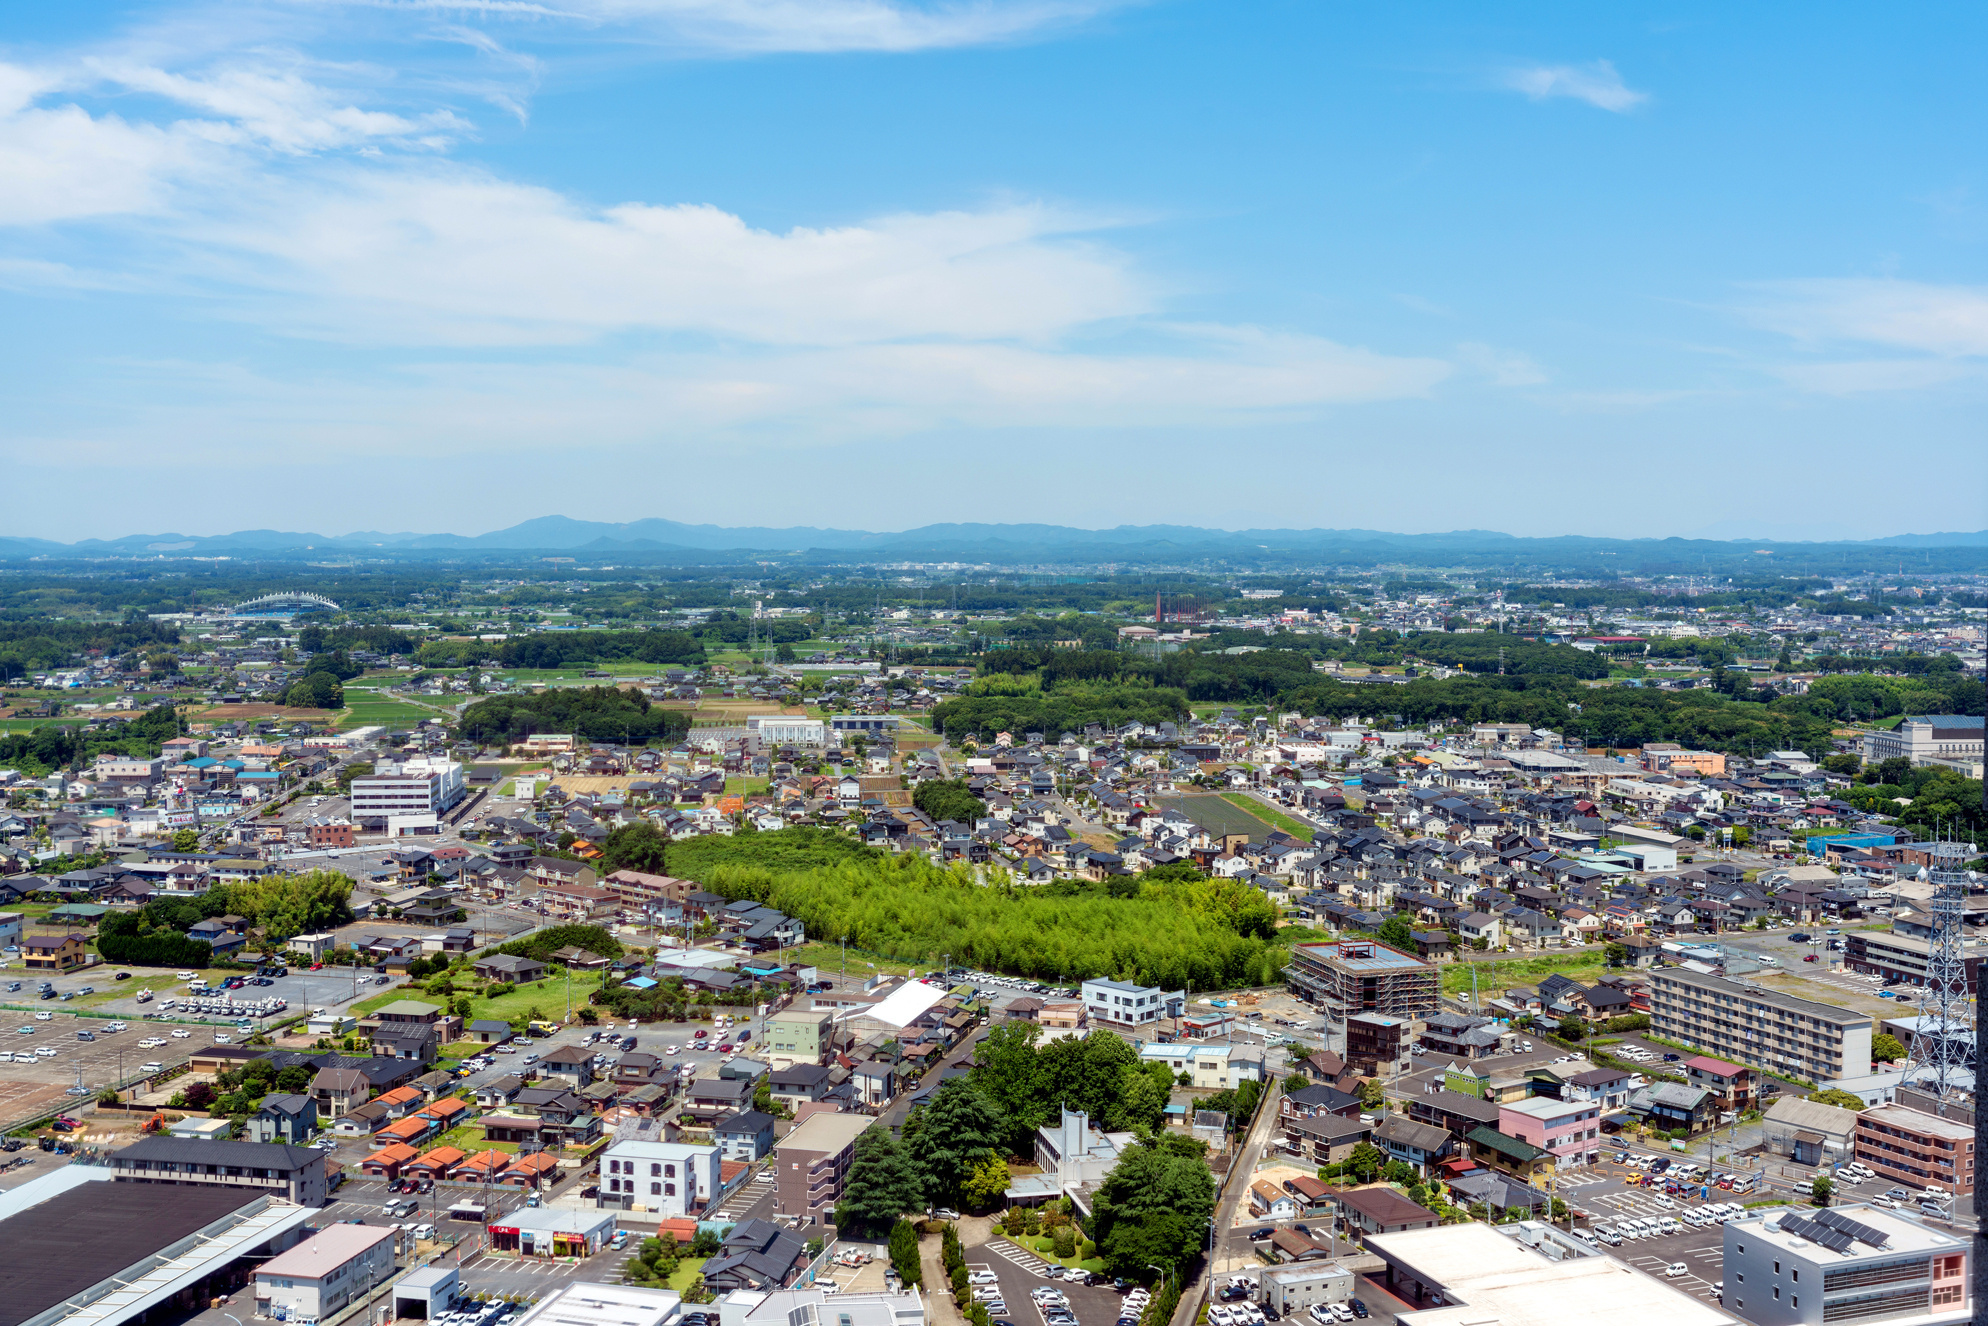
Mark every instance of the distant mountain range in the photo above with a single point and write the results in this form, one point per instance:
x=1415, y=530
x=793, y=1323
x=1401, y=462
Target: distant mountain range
x=669, y=540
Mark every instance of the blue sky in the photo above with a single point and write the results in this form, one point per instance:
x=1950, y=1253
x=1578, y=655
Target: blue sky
x=1662, y=269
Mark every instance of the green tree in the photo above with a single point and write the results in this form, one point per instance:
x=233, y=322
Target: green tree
x=882, y=1184
x=1398, y=933
x=315, y=690
x=1841, y=1099
x=1010, y=1076
x=186, y=840
x=948, y=799
x=639, y=846
x=949, y=1136
x=1885, y=1048
x=904, y=1253
x=986, y=1185
x=1154, y=1206
x=1820, y=1189
x=1141, y=1102
x=1372, y=1094
x=1572, y=1028
x=1086, y=1074
x=1365, y=1161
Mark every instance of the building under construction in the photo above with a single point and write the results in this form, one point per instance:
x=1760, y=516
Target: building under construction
x=1356, y=976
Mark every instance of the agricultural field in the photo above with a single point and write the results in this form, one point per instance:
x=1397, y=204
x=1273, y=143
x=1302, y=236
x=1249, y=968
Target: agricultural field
x=1296, y=828
x=1218, y=815
x=367, y=705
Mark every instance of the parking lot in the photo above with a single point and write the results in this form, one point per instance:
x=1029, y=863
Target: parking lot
x=1018, y=1272
x=27, y=1086
x=1702, y=1252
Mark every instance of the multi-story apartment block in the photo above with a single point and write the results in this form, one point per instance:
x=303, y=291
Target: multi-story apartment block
x=1568, y=1130
x=1760, y=1027
x=1898, y=958
x=1922, y=1149
x=666, y=1178
x=1355, y=976
x=811, y=1163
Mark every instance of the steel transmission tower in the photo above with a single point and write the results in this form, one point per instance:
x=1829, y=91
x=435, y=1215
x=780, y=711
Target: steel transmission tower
x=1943, y=1041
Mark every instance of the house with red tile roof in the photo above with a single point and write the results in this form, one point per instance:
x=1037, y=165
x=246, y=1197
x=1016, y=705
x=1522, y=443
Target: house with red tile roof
x=386, y=1163
x=435, y=1164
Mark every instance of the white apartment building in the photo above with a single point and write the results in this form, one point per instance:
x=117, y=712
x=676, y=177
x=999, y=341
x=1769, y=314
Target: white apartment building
x=1126, y=1005
x=787, y=730
x=407, y=795
x=1759, y=1027
x=664, y=1178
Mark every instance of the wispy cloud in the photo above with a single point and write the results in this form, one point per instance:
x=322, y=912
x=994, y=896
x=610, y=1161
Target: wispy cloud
x=758, y=27
x=1597, y=83
x=1504, y=368
x=1946, y=320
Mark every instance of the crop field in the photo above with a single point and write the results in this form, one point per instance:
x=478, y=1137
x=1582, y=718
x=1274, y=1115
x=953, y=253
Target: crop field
x=367, y=707
x=1218, y=816
x=1296, y=828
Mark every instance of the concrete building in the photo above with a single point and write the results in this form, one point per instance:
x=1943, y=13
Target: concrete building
x=1759, y=1027
x=769, y=730
x=1846, y=1263
x=1359, y=976
x=1071, y=1155
x=1568, y=1130
x=411, y=794
x=551, y=1231
x=326, y=1273
x=1923, y=738
x=1295, y=1289
x=1454, y=1275
x=1922, y=1149
x=798, y=1035
x=1899, y=958
x=811, y=1163
x=668, y=1178
x=589, y=1303
x=1378, y=1044
x=1122, y=1004
x=810, y=1306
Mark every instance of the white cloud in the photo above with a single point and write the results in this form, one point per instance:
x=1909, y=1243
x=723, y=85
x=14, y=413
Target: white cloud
x=1505, y=368
x=277, y=107
x=1598, y=84
x=436, y=255
x=1946, y=320
x=1854, y=377
x=759, y=27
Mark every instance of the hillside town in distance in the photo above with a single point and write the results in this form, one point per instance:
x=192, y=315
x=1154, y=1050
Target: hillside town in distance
x=938, y=943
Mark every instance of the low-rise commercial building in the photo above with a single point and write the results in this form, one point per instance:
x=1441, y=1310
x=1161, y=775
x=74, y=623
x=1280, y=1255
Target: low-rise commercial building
x=1123, y=1004
x=668, y=1178
x=326, y=1273
x=1454, y=1275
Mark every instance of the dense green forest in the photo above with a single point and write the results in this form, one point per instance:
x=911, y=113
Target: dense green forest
x=44, y=644
x=1054, y=691
x=60, y=746
x=1201, y=933
x=598, y=713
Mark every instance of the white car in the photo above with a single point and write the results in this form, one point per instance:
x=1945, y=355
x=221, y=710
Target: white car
x=184, y=975
x=153, y=1067
x=24, y=1057
x=673, y=1050
x=44, y=1016
x=46, y=1051
x=181, y=1033
x=1676, y=1269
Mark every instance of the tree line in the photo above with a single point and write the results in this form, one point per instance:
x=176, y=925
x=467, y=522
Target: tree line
x=598, y=713
x=1176, y=933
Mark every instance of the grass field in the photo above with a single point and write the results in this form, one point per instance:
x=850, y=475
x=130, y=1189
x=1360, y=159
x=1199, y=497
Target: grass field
x=367, y=705
x=1244, y=801
x=829, y=957
x=1496, y=977
x=514, y=1006
x=1218, y=815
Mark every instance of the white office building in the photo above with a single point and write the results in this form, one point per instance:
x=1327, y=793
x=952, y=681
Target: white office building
x=1123, y=1004
x=1845, y=1263
x=663, y=1178
x=406, y=796
x=786, y=730
x=326, y=1273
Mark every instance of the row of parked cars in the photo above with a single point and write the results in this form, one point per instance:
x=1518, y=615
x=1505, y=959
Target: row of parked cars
x=1650, y=1227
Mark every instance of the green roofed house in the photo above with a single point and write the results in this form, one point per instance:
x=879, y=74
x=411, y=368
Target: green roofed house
x=1512, y=1155
x=77, y=913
